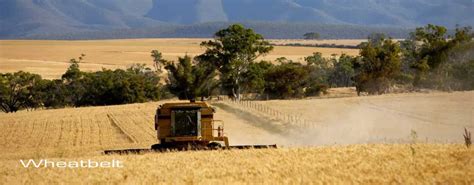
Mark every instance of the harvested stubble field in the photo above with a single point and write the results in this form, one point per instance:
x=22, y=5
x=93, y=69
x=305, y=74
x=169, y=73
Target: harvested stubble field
x=307, y=157
x=50, y=58
x=435, y=117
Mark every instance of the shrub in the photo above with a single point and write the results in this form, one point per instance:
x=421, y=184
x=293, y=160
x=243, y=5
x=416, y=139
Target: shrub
x=378, y=66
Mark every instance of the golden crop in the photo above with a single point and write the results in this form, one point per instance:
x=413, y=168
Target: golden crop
x=367, y=164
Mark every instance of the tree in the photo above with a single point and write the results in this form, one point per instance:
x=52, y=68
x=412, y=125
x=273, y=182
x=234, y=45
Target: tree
x=319, y=67
x=158, y=60
x=232, y=51
x=317, y=59
x=189, y=81
x=287, y=80
x=52, y=93
x=136, y=84
x=22, y=90
x=73, y=72
x=464, y=74
x=254, y=77
x=343, y=72
x=110, y=87
x=73, y=81
x=17, y=91
x=378, y=66
x=428, y=49
x=376, y=38
x=311, y=36
x=431, y=52
x=460, y=67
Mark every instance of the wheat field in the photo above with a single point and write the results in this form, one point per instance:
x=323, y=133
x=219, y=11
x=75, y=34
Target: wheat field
x=50, y=58
x=365, y=164
x=334, y=154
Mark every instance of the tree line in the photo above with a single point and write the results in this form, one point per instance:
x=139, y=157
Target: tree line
x=430, y=58
x=230, y=65
x=23, y=90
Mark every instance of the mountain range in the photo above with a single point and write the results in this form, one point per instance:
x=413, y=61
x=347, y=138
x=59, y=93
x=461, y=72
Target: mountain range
x=36, y=18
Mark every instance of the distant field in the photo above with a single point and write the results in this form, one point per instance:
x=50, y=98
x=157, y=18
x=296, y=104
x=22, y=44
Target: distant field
x=347, y=42
x=50, y=58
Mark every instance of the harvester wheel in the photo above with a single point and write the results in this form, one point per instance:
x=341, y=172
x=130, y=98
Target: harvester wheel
x=214, y=146
x=158, y=147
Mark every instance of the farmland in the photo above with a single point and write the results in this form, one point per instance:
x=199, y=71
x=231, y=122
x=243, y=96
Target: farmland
x=50, y=58
x=337, y=138
x=317, y=153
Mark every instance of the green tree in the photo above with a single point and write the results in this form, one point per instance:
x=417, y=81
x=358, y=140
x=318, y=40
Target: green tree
x=189, y=81
x=73, y=79
x=319, y=67
x=428, y=49
x=379, y=64
x=343, y=72
x=311, y=36
x=254, y=77
x=73, y=72
x=52, y=93
x=317, y=59
x=17, y=91
x=158, y=61
x=136, y=84
x=232, y=51
x=460, y=67
x=287, y=80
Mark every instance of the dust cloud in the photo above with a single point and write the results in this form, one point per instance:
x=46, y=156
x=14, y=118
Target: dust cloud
x=395, y=118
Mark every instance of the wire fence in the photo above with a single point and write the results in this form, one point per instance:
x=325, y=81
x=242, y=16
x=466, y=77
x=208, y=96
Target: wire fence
x=284, y=117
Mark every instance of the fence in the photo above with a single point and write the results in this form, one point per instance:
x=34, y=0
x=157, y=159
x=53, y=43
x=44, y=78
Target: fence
x=285, y=118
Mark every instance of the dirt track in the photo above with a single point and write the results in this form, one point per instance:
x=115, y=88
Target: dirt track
x=396, y=118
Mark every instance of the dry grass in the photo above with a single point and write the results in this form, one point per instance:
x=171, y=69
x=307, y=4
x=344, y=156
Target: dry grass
x=366, y=164
x=50, y=58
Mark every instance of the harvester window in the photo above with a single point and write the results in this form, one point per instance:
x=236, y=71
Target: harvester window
x=185, y=122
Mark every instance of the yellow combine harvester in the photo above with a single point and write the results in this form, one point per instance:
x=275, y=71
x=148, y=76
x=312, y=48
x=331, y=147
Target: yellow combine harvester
x=188, y=126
